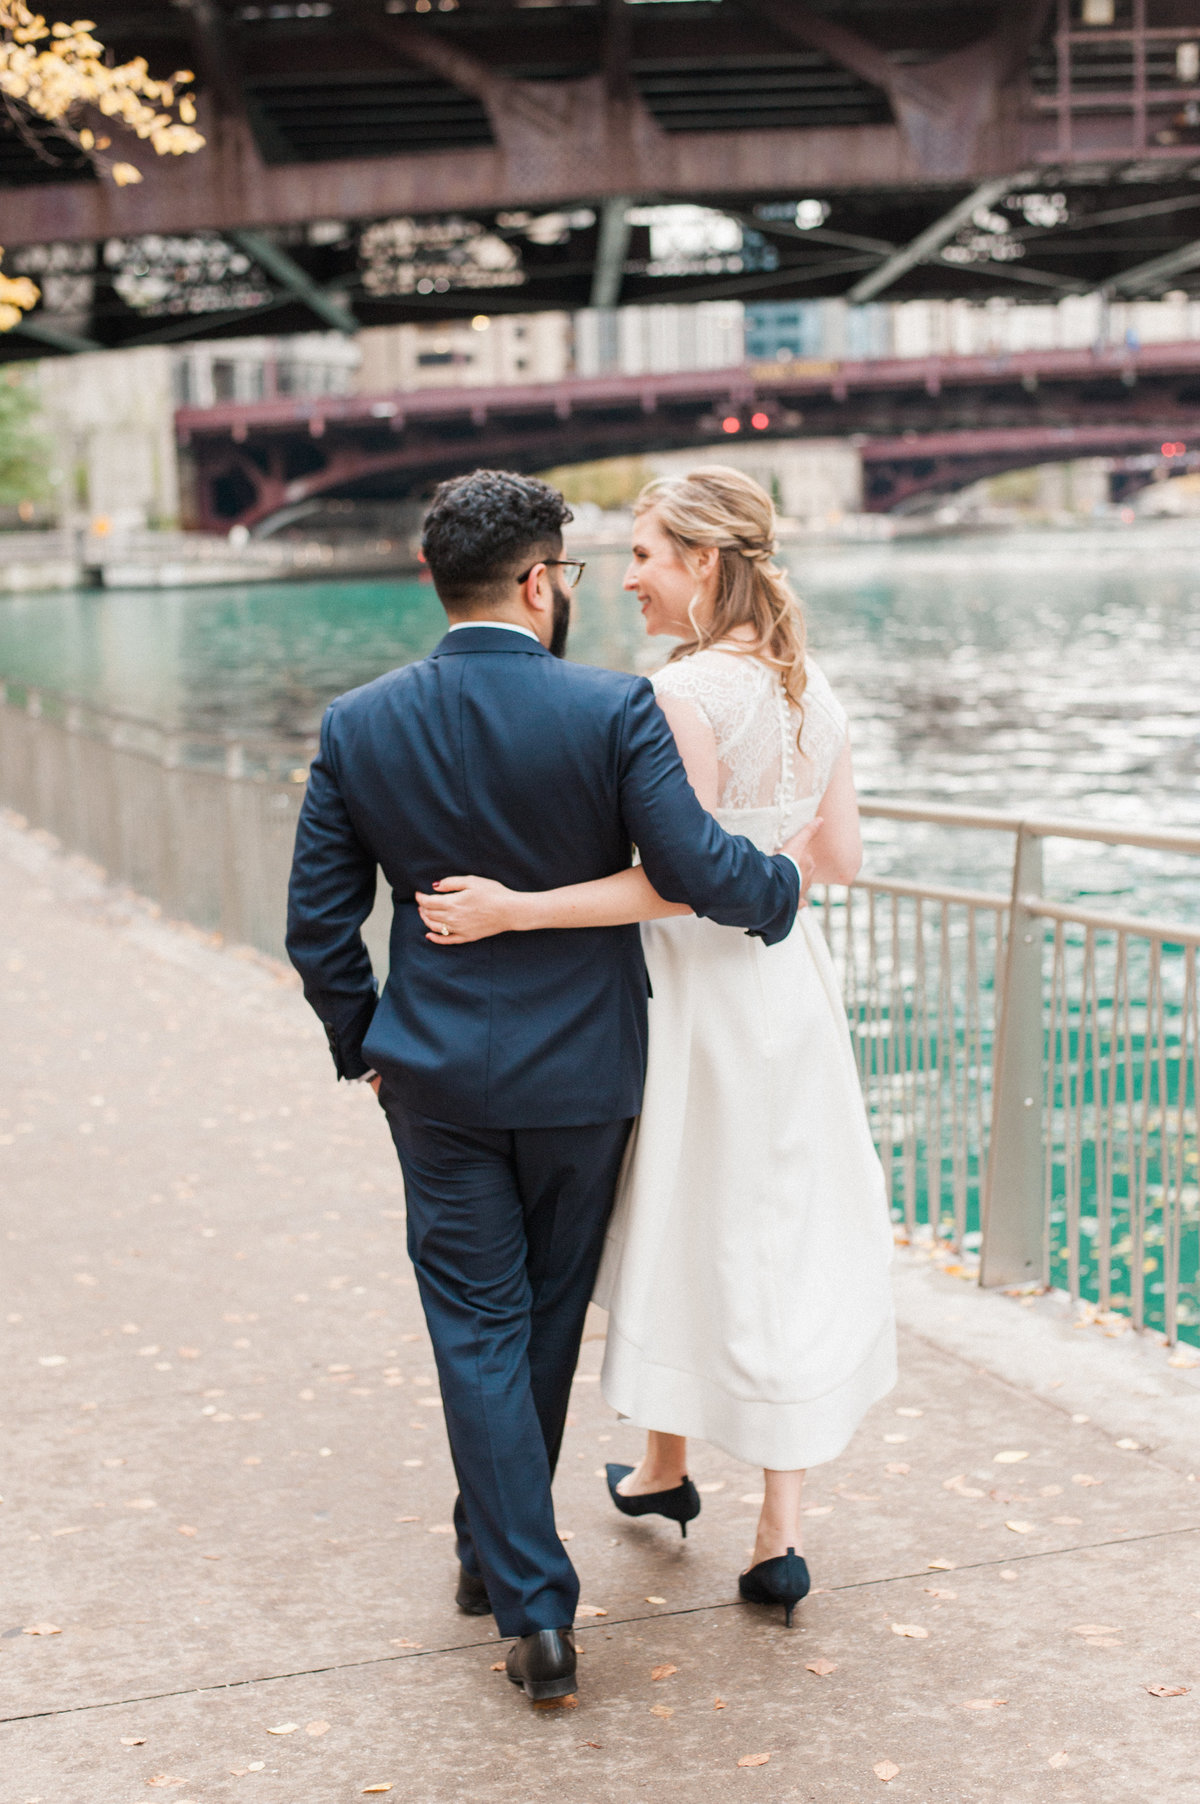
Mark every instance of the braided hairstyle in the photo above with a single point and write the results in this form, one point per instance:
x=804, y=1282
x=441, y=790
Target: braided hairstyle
x=721, y=507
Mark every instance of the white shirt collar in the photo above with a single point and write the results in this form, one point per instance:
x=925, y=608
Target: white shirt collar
x=505, y=626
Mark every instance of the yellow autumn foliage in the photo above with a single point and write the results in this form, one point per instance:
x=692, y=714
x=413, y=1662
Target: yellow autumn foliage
x=53, y=70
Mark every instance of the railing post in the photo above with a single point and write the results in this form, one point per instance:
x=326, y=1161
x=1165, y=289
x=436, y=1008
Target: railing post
x=1014, y=1232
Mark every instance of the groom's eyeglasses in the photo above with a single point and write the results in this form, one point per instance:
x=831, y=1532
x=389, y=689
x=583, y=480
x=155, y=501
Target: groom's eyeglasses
x=574, y=568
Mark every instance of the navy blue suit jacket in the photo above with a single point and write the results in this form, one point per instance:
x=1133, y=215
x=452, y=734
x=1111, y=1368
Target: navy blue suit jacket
x=493, y=757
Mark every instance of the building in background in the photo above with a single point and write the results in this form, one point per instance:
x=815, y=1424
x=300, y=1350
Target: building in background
x=639, y=341
x=487, y=351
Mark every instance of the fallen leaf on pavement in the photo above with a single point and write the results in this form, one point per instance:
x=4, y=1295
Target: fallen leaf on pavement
x=885, y=1770
x=663, y=1710
x=940, y=1565
x=1130, y=1446
x=567, y=1703
x=440, y=1528
x=959, y=1483
x=43, y=1628
x=897, y=1469
x=133, y=1741
x=165, y=1779
x=1093, y=1628
x=822, y=1668
x=910, y=1412
x=985, y=1703
x=1085, y=1478
x=284, y=1729
x=370, y=1788
x=912, y=1629
x=1009, y=1457
x=591, y=1744
x=1059, y=1759
x=754, y=1760
x=141, y=1503
x=939, y=1591
x=498, y=1666
x=656, y=1600
x=1021, y=1528
x=589, y=1610
x=317, y=1728
x=663, y=1672
x=403, y=1641
x=719, y=1704
x=718, y=1484
x=185, y=1528
x=1168, y=1691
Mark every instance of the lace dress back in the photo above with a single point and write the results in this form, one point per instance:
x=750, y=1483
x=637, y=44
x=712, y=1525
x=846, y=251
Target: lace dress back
x=768, y=785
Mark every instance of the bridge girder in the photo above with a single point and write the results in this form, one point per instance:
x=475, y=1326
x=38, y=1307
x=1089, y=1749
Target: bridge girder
x=912, y=418
x=910, y=125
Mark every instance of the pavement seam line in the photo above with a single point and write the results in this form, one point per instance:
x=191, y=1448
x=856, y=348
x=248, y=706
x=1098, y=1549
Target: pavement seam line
x=466, y=1647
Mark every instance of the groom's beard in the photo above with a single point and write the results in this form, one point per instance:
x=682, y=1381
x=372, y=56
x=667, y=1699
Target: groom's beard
x=561, y=622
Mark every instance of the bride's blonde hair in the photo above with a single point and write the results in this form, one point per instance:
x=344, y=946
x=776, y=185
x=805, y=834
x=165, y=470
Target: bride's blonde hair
x=720, y=507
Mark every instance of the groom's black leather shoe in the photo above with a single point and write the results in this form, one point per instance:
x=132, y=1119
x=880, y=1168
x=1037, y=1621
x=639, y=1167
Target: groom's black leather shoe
x=544, y=1663
x=471, y=1596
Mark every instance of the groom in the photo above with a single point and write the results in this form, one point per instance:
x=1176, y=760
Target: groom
x=510, y=1069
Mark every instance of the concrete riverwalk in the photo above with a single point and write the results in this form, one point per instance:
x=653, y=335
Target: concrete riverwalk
x=227, y=1570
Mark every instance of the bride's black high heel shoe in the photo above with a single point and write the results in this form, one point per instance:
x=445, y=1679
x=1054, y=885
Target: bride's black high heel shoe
x=680, y=1504
x=783, y=1580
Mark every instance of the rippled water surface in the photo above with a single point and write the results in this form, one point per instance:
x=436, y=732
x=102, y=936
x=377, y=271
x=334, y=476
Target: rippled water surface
x=1045, y=672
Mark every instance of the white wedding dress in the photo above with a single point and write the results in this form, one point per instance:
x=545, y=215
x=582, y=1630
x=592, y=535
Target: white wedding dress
x=746, y=1266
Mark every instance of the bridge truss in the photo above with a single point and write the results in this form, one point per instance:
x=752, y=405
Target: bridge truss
x=372, y=161
x=923, y=426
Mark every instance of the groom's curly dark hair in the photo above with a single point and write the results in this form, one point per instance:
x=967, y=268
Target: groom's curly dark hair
x=482, y=529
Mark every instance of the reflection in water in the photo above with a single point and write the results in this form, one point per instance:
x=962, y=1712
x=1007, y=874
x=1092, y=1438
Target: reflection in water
x=1047, y=672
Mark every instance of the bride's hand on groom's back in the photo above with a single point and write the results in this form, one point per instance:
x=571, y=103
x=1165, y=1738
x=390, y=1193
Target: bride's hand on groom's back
x=462, y=909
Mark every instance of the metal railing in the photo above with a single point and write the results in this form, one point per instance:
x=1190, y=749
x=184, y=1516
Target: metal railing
x=1031, y=1067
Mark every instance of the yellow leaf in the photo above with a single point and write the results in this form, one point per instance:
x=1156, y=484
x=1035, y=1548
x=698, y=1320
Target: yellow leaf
x=719, y=1704
x=125, y=175
x=1059, y=1759
x=317, y=1728
x=370, y=1788
x=133, y=1741
x=663, y=1672
x=912, y=1629
x=284, y=1729
x=885, y=1770
x=656, y=1600
x=1021, y=1528
x=589, y=1610
x=1085, y=1478
x=821, y=1667
x=754, y=1760
x=663, y=1710
x=1009, y=1458
x=985, y=1703
x=43, y=1628
x=1168, y=1691
x=498, y=1666
x=940, y=1565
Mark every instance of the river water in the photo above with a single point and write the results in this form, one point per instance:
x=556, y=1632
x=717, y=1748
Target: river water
x=1042, y=671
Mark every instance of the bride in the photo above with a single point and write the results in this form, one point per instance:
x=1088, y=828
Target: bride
x=746, y=1266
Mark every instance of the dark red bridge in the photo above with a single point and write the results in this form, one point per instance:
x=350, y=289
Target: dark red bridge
x=922, y=425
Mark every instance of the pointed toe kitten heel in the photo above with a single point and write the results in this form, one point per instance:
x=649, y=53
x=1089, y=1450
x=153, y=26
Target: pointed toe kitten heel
x=783, y=1580
x=680, y=1504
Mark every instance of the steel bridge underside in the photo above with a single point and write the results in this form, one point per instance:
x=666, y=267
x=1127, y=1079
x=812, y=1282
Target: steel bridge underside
x=922, y=425
x=372, y=161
